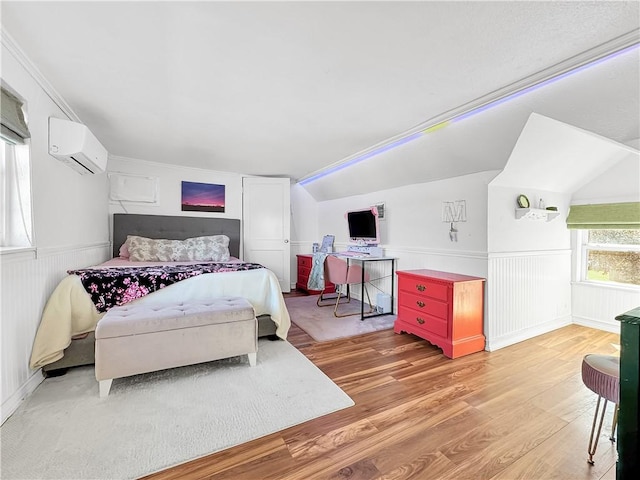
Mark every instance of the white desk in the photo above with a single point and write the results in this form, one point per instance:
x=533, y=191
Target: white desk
x=364, y=259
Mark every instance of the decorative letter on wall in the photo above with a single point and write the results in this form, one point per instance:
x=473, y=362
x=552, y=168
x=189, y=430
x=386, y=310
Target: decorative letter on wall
x=453, y=212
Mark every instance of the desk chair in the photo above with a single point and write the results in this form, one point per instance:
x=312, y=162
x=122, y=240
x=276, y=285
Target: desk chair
x=338, y=272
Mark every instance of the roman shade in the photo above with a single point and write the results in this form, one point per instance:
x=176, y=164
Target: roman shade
x=13, y=128
x=605, y=216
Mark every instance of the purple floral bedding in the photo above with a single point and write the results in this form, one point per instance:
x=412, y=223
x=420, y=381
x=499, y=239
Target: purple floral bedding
x=109, y=287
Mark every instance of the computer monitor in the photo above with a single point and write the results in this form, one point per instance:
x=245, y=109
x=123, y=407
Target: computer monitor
x=363, y=226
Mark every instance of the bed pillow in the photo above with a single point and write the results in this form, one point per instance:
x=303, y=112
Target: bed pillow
x=214, y=248
x=142, y=249
x=124, y=249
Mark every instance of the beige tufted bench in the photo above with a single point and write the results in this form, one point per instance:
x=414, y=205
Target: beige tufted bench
x=133, y=339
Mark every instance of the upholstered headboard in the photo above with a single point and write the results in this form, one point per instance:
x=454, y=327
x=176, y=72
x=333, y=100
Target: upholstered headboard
x=174, y=228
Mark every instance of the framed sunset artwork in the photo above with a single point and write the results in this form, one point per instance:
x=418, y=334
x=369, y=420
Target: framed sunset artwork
x=202, y=197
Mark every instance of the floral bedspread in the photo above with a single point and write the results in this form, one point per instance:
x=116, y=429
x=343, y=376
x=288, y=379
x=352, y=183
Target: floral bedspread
x=109, y=287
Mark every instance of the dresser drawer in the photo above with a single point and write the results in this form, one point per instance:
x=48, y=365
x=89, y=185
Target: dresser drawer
x=304, y=271
x=424, y=305
x=423, y=321
x=305, y=261
x=423, y=287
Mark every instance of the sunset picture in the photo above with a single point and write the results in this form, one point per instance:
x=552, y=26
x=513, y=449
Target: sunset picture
x=202, y=197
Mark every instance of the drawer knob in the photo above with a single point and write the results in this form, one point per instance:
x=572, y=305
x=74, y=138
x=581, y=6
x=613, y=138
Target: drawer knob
x=419, y=320
x=421, y=288
x=420, y=304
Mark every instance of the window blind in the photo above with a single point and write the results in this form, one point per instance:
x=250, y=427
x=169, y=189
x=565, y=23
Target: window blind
x=13, y=128
x=604, y=216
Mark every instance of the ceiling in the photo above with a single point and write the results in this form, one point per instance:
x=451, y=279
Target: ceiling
x=288, y=88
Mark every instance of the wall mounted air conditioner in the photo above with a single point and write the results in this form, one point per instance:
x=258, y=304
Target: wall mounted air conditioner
x=75, y=145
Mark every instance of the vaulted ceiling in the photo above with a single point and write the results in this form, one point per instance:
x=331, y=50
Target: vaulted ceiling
x=288, y=88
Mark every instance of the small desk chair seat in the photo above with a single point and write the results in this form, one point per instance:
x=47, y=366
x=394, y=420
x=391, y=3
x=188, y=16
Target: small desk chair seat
x=338, y=272
x=601, y=375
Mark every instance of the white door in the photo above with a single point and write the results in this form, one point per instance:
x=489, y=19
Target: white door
x=266, y=217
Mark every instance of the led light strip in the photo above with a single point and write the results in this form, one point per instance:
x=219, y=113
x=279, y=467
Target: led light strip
x=578, y=63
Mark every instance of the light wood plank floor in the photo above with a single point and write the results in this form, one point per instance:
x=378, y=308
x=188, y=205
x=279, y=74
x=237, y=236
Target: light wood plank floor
x=521, y=412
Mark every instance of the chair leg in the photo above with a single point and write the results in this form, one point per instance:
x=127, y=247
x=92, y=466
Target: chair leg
x=322, y=298
x=335, y=309
x=615, y=424
x=593, y=445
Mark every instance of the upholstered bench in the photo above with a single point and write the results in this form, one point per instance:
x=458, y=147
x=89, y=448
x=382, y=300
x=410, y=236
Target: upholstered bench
x=133, y=339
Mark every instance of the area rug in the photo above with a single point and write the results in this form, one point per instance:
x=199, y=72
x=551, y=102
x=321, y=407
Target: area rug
x=322, y=325
x=153, y=421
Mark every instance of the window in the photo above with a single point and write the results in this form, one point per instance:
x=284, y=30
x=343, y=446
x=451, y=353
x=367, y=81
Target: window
x=611, y=256
x=16, y=226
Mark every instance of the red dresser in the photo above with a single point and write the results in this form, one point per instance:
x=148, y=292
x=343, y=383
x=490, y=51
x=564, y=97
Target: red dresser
x=447, y=309
x=304, y=269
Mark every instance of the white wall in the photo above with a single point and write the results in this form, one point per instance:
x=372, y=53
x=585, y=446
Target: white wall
x=532, y=263
x=304, y=226
x=169, y=186
x=170, y=178
x=596, y=305
x=70, y=231
x=620, y=183
x=412, y=230
x=508, y=234
x=529, y=279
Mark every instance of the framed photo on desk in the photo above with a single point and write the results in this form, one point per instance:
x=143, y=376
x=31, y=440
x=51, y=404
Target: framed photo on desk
x=327, y=244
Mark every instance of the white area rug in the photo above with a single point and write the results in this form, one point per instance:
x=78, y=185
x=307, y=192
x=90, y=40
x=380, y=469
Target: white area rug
x=153, y=421
x=322, y=325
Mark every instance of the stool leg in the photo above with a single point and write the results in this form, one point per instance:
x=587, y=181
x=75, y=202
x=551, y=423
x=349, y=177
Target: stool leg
x=593, y=445
x=615, y=424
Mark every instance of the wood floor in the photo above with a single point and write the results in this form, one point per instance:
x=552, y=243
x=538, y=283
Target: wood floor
x=521, y=412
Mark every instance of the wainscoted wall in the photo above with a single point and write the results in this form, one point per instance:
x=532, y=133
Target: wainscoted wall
x=529, y=293
x=26, y=281
x=470, y=263
x=71, y=228
x=597, y=306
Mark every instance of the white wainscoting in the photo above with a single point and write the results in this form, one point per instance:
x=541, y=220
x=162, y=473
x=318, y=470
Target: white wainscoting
x=26, y=281
x=529, y=293
x=597, y=306
x=408, y=258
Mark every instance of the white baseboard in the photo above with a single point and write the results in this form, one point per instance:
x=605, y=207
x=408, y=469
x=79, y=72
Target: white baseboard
x=612, y=326
x=11, y=404
x=493, y=344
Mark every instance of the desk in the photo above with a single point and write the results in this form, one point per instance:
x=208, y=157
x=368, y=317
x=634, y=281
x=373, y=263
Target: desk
x=365, y=259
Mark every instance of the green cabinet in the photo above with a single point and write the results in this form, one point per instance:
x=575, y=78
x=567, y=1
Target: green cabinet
x=628, y=420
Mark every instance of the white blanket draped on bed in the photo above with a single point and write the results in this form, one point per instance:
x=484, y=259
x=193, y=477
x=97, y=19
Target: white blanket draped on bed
x=70, y=310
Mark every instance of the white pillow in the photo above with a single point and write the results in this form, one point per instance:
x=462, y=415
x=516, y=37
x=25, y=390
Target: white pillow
x=213, y=248
x=142, y=249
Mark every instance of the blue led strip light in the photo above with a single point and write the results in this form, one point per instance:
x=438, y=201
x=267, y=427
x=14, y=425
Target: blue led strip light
x=362, y=157
x=540, y=84
x=461, y=116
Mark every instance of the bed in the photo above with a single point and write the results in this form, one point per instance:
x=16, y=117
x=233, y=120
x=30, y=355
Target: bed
x=65, y=334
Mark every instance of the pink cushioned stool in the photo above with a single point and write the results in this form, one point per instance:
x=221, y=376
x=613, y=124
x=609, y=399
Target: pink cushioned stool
x=601, y=374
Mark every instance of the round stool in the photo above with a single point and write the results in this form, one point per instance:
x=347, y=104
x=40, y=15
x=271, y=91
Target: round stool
x=601, y=374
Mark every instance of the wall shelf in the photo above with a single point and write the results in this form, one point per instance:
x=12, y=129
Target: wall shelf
x=536, y=214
